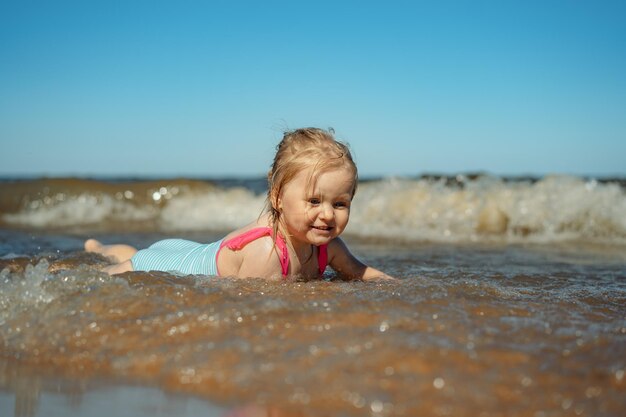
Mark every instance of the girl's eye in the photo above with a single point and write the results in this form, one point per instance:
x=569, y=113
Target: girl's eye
x=314, y=201
x=341, y=204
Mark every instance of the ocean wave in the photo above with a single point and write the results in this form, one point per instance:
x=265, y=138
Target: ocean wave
x=485, y=208
x=555, y=208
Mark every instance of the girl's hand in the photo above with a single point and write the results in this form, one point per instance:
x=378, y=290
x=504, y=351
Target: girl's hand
x=372, y=274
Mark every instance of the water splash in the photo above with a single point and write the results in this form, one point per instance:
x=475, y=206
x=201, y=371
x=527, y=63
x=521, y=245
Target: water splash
x=481, y=209
x=22, y=292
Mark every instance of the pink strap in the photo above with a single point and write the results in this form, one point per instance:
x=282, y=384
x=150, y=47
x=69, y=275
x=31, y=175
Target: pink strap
x=238, y=242
x=322, y=258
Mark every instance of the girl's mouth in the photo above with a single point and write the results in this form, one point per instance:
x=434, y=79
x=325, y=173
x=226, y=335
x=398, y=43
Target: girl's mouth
x=323, y=228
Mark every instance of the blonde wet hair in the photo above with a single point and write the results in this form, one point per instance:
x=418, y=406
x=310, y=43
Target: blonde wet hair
x=301, y=149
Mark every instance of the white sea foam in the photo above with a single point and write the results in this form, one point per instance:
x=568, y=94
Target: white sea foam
x=215, y=210
x=555, y=208
x=82, y=209
x=23, y=292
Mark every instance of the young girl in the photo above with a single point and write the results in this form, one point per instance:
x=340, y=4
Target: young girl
x=311, y=185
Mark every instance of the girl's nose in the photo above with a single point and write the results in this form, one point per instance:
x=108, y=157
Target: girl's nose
x=327, y=212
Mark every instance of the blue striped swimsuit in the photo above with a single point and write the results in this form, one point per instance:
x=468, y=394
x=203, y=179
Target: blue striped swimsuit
x=178, y=255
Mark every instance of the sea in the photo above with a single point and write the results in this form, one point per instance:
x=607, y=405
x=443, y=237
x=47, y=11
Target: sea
x=510, y=301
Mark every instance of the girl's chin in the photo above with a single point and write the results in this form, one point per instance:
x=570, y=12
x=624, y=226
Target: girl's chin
x=320, y=237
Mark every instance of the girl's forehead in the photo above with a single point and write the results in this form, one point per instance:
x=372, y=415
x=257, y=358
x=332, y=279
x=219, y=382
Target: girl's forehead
x=314, y=174
x=309, y=180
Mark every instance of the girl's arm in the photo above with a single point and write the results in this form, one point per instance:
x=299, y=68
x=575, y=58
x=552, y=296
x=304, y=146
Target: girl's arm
x=347, y=265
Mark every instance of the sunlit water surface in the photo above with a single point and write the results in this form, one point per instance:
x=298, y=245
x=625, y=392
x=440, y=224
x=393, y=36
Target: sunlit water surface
x=468, y=330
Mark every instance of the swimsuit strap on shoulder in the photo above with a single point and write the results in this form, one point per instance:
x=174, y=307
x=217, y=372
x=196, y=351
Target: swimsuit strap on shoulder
x=239, y=241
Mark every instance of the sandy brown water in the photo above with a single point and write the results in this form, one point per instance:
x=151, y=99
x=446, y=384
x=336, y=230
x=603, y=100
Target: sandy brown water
x=511, y=302
x=469, y=330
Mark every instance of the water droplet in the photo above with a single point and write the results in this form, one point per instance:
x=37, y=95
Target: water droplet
x=566, y=403
x=439, y=383
x=592, y=392
x=376, y=406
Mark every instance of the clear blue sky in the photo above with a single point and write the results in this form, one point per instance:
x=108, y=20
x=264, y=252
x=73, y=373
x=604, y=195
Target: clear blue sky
x=204, y=88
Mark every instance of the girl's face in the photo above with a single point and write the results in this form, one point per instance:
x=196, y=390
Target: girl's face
x=315, y=212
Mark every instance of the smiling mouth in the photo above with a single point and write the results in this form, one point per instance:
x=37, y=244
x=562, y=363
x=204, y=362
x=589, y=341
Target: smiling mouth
x=323, y=228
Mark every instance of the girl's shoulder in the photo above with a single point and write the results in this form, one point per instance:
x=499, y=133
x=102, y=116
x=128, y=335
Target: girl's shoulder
x=261, y=222
x=250, y=251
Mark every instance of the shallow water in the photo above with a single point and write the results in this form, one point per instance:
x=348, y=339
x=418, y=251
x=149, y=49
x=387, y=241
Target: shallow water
x=27, y=392
x=511, y=302
x=469, y=330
